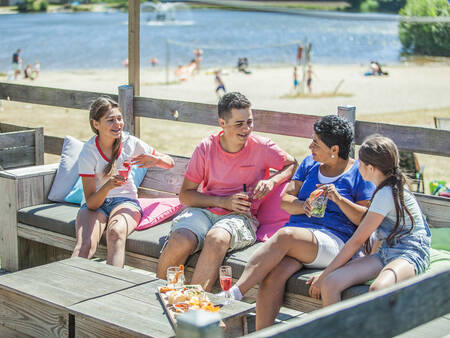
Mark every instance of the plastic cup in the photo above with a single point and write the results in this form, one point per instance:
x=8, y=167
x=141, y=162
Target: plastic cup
x=318, y=206
x=175, y=277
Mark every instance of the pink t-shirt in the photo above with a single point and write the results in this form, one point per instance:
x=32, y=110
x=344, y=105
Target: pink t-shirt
x=222, y=174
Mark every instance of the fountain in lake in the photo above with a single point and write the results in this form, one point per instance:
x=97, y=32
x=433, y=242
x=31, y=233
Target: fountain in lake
x=164, y=13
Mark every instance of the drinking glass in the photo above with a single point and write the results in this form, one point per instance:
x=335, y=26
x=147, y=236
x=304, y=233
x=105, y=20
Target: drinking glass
x=225, y=275
x=175, y=277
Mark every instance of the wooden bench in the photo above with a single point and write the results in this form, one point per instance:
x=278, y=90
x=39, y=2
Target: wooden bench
x=35, y=231
x=20, y=146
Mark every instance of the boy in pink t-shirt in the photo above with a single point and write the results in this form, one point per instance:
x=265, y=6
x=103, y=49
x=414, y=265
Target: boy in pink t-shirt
x=230, y=167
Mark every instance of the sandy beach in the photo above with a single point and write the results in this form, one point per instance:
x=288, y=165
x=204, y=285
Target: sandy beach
x=408, y=87
x=412, y=94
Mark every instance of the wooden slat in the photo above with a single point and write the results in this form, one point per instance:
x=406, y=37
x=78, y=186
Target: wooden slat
x=19, y=173
x=436, y=210
x=6, y=332
x=265, y=120
x=17, y=157
x=53, y=144
x=417, y=139
x=7, y=128
x=383, y=313
x=166, y=180
x=30, y=191
x=17, y=139
x=27, y=316
x=50, y=96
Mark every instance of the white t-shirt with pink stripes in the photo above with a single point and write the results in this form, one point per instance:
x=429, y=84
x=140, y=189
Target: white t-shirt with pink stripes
x=92, y=162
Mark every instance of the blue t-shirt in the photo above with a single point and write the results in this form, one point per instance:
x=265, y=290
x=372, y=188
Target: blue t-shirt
x=349, y=185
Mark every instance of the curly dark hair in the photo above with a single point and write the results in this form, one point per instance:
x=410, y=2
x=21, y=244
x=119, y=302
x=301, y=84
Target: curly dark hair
x=334, y=130
x=232, y=100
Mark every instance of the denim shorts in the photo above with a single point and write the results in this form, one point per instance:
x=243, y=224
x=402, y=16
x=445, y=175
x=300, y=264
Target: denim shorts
x=111, y=202
x=199, y=221
x=413, y=248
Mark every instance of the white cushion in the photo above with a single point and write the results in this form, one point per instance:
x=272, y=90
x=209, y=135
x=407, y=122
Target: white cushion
x=67, y=173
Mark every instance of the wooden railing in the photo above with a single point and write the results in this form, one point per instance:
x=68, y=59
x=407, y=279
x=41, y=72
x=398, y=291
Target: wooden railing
x=417, y=139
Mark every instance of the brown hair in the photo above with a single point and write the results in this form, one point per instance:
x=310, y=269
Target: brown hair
x=99, y=108
x=382, y=153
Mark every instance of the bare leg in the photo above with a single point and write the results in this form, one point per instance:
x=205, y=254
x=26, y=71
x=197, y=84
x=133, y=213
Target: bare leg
x=355, y=272
x=216, y=245
x=89, y=227
x=396, y=271
x=122, y=222
x=298, y=243
x=271, y=291
x=182, y=243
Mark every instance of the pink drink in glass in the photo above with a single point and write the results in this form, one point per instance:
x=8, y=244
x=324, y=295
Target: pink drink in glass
x=225, y=283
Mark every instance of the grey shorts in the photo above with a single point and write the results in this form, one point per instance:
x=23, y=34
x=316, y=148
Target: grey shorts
x=199, y=221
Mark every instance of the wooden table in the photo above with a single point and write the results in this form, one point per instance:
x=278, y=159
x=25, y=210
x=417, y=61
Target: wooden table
x=80, y=298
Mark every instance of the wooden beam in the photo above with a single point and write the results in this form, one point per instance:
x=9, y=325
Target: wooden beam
x=384, y=313
x=134, y=10
x=53, y=144
x=39, y=146
x=422, y=140
x=49, y=96
x=265, y=120
x=436, y=210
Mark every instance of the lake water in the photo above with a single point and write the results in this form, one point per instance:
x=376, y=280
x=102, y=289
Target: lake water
x=99, y=40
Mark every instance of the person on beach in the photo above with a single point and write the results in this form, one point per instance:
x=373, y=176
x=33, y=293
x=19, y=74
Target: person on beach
x=307, y=241
x=396, y=220
x=16, y=63
x=220, y=84
x=309, y=75
x=27, y=72
x=295, y=78
x=198, y=57
x=110, y=200
x=299, y=54
x=36, y=70
x=220, y=217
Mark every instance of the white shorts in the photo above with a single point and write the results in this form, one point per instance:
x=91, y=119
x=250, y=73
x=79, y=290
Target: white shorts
x=329, y=245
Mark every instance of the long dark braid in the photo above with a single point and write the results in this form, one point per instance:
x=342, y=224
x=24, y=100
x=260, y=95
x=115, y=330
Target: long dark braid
x=98, y=109
x=382, y=153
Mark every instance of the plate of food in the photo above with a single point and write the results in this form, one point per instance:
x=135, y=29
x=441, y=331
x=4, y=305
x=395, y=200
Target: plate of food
x=187, y=298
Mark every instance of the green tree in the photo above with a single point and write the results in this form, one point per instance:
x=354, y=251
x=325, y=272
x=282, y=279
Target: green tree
x=425, y=38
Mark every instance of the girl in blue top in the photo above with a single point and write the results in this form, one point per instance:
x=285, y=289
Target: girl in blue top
x=395, y=219
x=304, y=240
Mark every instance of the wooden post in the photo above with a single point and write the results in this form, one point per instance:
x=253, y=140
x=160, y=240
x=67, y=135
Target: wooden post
x=126, y=106
x=349, y=113
x=134, y=11
x=39, y=145
x=9, y=248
